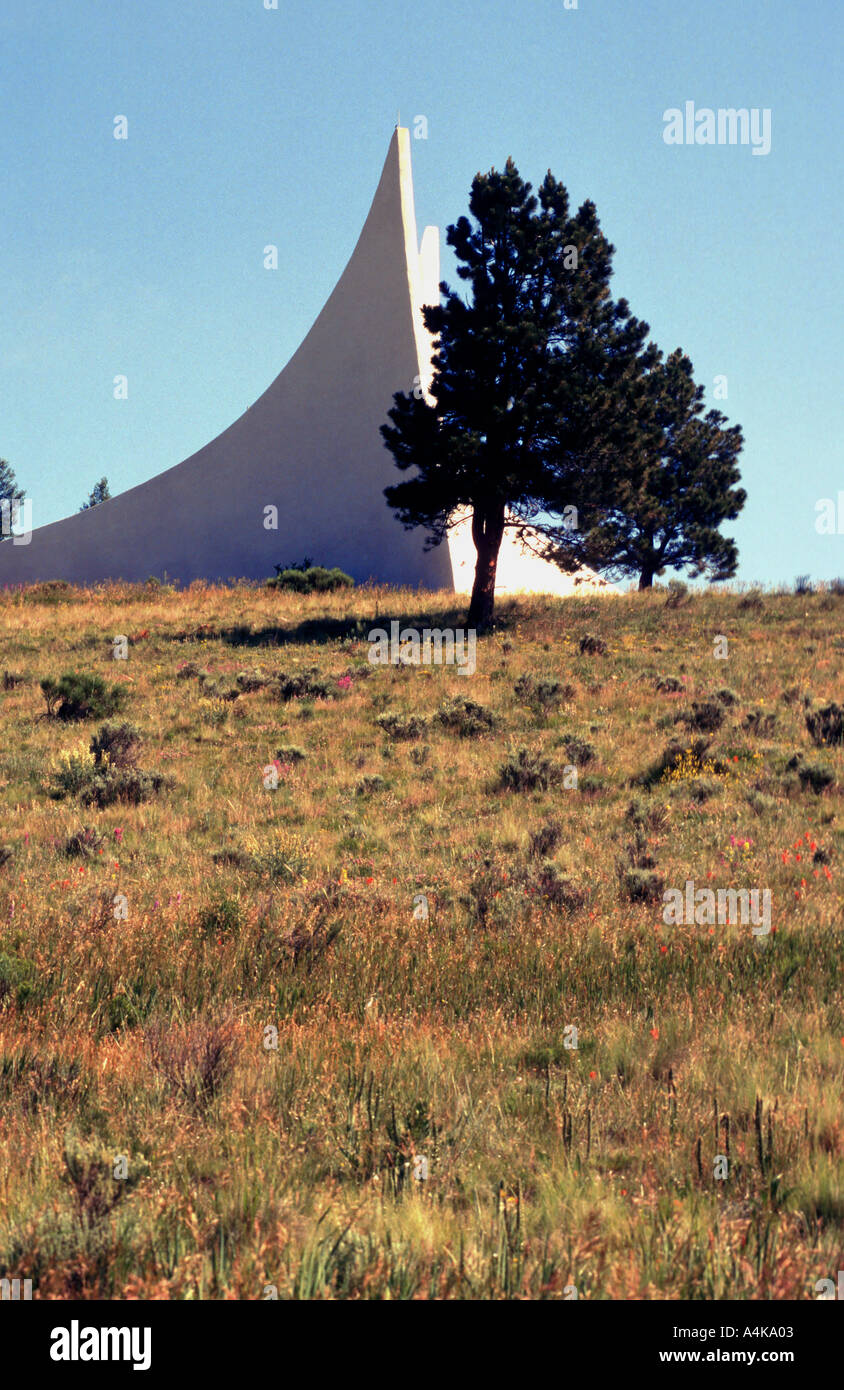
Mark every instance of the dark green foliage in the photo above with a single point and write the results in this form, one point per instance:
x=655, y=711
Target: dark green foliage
x=659, y=504
x=547, y=883
x=760, y=724
x=643, y=885
x=112, y=778
x=116, y=745
x=813, y=776
x=826, y=726
x=80, y=695
x=367, y=786
x=578, y=751
x=291, y=753
x=83, y=844
x=752, y=602
x=130, y=785
x=99, y=493
x=678, y=594
x=645, y=815
x=466, y=717
x=705, y=716
x=400, y=727
x=524, y=771
x=313, y=580
x=542, y=695
x=304, y=685
x=248, y=682
x=531, y=372
x=544, y=841
x=11, y=493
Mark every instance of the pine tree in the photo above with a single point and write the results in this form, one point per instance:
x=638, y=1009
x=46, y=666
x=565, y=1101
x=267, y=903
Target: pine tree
x=9, y=492
x=99, y=493
x=657, y=504
x=522, y=372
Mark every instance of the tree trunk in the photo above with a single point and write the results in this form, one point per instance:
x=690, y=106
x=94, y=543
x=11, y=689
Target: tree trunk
x=646, y=579
x=487, y=533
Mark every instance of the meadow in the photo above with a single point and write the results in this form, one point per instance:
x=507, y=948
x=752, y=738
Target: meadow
x=325, y=979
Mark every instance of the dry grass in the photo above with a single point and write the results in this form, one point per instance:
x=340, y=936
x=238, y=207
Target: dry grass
x=403, y=1033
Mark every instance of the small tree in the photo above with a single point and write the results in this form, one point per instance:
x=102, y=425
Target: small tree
x=504, y=425
x=659, y=505
x=9, y=492
x=99, y=493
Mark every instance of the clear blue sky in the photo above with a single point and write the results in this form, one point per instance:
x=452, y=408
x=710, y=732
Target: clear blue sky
x=250, y=126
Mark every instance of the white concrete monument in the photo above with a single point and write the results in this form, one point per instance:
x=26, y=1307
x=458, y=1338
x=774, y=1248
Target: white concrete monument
x=309, y=447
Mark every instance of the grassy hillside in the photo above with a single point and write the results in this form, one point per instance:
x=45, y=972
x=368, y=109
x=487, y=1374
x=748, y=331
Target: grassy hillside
x=163, y=909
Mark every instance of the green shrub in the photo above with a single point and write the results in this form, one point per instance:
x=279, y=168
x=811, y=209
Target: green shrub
x=644, y=816
x=250, y=681
x=678, y=594
x=752, y=602
x=80, y=695
x=524, y=771
x=643, y=885
x=304, y=685
x=116, y=745
x=291, y=753
x=315, y=580
x=465, y=717
x=368, y=785
x=757, y=722
x=813, y=776
x=72, y=773
x=129, y=785
x=705, y=716
x=83, y=844
x=826, y=726
x=542, y=695
x=578, y=751
x=544, y=841
x=402, y=727
x=548, y=883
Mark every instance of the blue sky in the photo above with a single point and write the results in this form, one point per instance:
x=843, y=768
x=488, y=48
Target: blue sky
x=250, y=126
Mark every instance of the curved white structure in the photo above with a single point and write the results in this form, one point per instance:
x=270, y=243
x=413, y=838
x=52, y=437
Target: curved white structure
x=310, y=446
